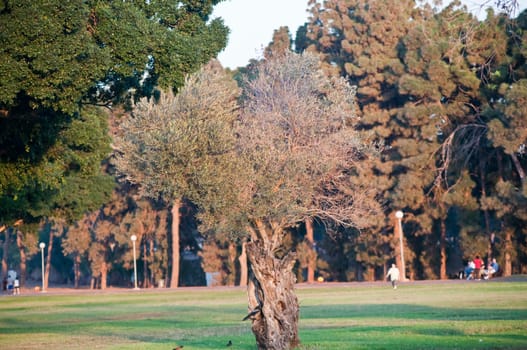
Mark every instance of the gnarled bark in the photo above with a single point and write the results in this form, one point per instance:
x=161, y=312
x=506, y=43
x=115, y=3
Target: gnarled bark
x=273, y=305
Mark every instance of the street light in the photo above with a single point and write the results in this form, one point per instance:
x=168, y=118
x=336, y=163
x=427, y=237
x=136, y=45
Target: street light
x=42, y=245
x=134, y=238
x=399, y=215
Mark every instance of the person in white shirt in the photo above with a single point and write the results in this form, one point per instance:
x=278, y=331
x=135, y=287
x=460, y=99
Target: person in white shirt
x=16, y=284
x=393, y=274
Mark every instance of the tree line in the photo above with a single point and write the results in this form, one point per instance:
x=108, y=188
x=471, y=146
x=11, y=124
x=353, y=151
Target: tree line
x=443, y=94
x=116, y=122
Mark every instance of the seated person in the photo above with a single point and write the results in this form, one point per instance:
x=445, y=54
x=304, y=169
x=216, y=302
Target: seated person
x=493, y=268
x=469, y=269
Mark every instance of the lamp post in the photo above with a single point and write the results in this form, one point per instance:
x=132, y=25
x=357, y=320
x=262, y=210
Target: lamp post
x=42, y=245
x=134, y=238
x=399, y=215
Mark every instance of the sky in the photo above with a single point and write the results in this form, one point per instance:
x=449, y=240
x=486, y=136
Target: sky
x=252, y=23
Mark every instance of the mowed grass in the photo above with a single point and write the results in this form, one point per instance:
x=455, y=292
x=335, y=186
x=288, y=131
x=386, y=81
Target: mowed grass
x=428, y=315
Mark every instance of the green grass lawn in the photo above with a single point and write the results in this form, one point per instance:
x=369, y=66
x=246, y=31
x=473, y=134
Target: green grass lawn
x=458, y=315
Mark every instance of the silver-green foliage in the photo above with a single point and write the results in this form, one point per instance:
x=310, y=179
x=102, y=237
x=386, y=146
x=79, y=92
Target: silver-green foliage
x=169, y=144
x=298, y=141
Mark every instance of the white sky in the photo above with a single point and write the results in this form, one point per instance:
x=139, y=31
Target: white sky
x=252, y=23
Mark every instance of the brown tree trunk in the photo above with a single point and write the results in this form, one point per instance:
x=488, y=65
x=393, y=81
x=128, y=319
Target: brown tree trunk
x=273, y=305
x=370, y=273
x=507, y=268
x=176, y=217
x=152, y=263
x=442, y=245
x=231, y=278
x=48, y=260
x=23, y=257
x=397, y=239
x=104, y=275
x=243, y=264
x=312, y=257
x=5, y=252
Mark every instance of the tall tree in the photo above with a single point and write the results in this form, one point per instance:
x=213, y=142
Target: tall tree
x=361, y=40
x=300, y=153
x=108, y=42
x=419, y=91
x=280, y=44
x=167, y=145
x=505, y=181
x=76, y=244
x=56, y=57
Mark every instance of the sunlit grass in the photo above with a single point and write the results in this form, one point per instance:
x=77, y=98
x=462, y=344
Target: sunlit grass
x=459, y=315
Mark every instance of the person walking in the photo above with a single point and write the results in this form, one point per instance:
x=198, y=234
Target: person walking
x=16, y=291
x=393, y=274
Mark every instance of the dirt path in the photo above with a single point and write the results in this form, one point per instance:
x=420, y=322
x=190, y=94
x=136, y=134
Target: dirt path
x=65, y=290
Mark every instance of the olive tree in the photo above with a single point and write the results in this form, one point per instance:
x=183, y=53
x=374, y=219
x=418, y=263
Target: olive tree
x=299, y=157
x=168, y=144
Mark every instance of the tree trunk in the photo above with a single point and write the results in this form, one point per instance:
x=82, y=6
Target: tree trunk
x=152, y=263
x=231, y=277
x=77, y=270
x=507, y=266
x=5, y=252
x=273, y=305
x=399, y=243
x=23, y=257
x=486, y=213
x=146, y=280
x=104, y=275
x=370, y=273
x=48, y=260
x=243, y=264
x=176, y=217
x=312, y=257
x=442, y=245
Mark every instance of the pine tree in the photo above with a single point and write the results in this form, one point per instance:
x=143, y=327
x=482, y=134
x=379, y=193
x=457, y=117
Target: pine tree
x=361, y=40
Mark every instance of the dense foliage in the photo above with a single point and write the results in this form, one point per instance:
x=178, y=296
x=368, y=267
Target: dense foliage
x=441, y=92
x=59, y=56
x=441, y=88
x=59, y=61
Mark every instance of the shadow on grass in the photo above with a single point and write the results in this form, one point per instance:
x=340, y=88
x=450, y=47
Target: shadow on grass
x=410, y=312
x=163, y=325
x=340, y=326
x=403, y=337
